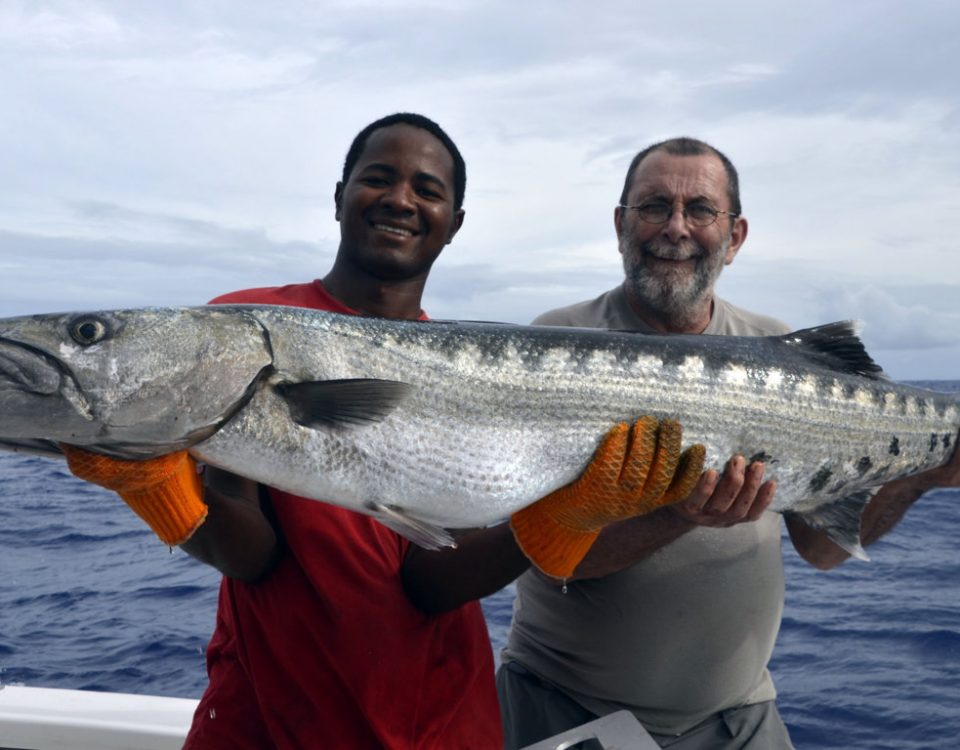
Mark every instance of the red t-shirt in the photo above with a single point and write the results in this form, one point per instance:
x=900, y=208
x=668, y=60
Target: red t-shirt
x=327, y=651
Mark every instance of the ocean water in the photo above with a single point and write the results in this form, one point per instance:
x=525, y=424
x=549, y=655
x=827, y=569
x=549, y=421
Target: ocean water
x=868, y=654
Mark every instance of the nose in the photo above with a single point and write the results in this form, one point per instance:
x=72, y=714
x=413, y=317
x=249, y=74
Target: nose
x=399, y=196
x=676, y=227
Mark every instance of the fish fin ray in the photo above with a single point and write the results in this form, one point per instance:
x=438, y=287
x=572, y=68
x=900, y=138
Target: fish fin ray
x=836, y=346
x=841, y=521
x=342, y=402
x=422, y=533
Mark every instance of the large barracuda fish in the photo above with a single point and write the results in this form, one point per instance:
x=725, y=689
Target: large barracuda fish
x=440, y=425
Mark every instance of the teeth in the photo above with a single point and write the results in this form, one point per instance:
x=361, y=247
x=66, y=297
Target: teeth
x=394, y=230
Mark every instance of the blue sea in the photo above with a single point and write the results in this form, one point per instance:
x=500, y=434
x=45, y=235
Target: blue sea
x=868, y=654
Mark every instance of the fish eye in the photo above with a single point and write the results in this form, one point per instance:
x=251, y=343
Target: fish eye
x=87, y=331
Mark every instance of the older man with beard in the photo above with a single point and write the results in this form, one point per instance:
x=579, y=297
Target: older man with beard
x=674, y=615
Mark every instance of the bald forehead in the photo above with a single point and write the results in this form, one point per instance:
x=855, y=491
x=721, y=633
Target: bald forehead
x=685, y=178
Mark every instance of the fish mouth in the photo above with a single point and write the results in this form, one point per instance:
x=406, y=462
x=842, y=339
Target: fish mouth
x=27, y=369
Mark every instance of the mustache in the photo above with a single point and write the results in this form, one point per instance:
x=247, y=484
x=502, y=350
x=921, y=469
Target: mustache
x=684, y=250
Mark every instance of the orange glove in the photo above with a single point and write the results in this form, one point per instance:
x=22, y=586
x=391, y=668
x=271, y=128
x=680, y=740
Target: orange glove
x=632, y=473
x=166, y=491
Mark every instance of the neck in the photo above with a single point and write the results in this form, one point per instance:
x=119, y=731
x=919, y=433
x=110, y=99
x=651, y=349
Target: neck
x=376, y=297
x=694, y=319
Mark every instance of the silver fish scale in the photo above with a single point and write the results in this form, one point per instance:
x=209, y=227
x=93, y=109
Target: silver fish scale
x=496, y=416
x=508, y=414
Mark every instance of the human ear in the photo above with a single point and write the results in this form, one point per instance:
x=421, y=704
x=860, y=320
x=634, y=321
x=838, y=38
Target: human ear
x=337, y=201
x=618, y=222
x=455, y=224
x=738, y=235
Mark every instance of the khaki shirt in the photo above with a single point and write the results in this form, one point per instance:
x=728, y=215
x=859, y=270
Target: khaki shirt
x=680, y=635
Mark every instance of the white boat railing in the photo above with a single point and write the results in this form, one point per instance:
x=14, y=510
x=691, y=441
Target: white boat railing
x=52, y=719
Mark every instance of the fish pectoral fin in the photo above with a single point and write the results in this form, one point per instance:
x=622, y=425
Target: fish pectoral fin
x=423, y=533
x=342, y=402
x=841, y=521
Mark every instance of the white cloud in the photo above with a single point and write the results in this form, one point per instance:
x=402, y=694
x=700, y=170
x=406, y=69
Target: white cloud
x=893, y=324
x=72, y=26
x=137, y=136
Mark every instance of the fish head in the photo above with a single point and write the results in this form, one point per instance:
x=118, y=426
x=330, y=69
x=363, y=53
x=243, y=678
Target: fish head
x=128, y=383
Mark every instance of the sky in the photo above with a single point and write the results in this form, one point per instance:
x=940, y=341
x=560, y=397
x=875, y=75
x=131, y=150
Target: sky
x=165, y=153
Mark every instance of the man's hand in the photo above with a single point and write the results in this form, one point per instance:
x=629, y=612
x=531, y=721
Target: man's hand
x=165, y=492
x=738, y=496
x=634, y=471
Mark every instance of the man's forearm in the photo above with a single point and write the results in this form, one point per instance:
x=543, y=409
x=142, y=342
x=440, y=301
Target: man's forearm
x=884, y=511
x=888, y=507
x=484, y=561
x=237, y=538
x=623, y=544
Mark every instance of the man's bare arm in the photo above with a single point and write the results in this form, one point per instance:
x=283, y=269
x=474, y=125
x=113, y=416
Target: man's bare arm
x=237, y=538
x=484, y=561
x=738, y=496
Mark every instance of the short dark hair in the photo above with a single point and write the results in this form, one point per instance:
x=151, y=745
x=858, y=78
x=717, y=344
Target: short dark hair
x=417, y=121
x=684, y=146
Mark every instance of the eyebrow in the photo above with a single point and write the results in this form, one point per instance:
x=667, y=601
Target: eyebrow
x=425, y=176
x=659, y=195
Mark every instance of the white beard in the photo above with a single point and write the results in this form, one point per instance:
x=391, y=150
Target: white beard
x=675, y=294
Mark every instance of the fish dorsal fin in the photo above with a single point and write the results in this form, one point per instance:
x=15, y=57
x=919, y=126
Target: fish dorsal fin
x=836, y=346
x=342, y=402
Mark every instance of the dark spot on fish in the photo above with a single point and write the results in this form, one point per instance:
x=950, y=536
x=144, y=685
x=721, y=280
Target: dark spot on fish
x=922, y=406
x=947, y=440
x=864, y=465
x=820, y=479
x=580, y=356
x=849, y=390
x=895, y=446
x=902, y=402
x=674, y=356
x=933, y=441
x=762, y=457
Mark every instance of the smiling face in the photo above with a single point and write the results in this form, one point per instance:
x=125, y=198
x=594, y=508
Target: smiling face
x=671, y=268
x=396, y=210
